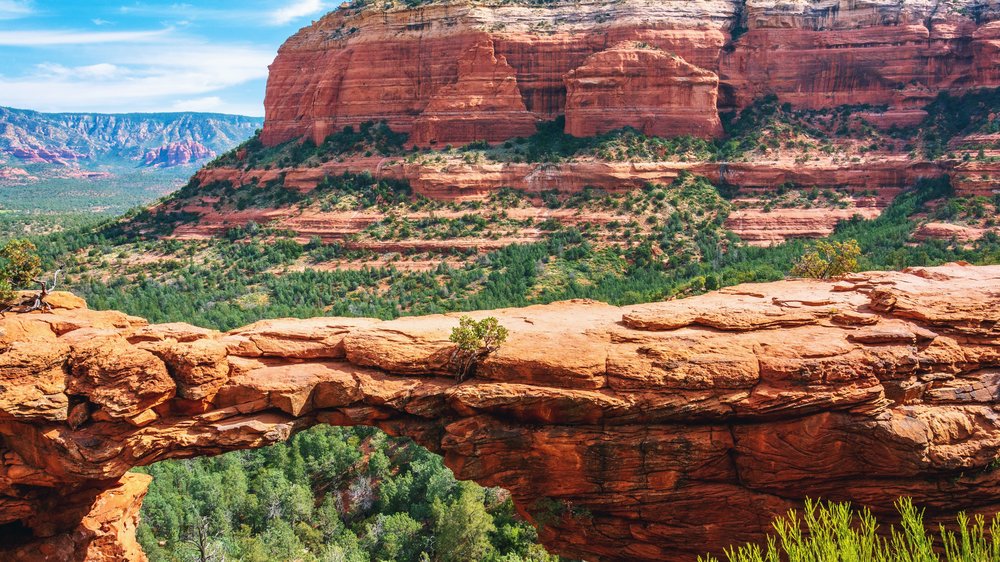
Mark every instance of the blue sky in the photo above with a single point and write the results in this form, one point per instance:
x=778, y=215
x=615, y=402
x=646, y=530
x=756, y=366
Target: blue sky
x=149, y=55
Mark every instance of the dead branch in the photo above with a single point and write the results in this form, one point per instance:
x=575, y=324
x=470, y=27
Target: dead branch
x=37, y=301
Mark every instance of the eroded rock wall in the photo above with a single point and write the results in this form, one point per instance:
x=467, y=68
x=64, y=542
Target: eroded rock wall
x=412, y=66
x=658, y=431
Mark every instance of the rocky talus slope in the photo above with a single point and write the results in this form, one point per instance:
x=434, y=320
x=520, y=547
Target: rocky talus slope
x=650, y=432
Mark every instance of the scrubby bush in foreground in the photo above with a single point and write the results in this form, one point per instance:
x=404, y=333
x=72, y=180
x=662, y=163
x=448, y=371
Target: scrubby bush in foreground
x=834, y=532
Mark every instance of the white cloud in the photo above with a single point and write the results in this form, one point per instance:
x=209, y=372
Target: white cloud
x=99, y=22
x=147, y=76
x=13, y=9
x=100, y=71
x=250, y=14
x=296, y=10
x=49, y=38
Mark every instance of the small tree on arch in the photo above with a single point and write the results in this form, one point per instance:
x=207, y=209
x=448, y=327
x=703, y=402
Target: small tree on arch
x=19, y=267
x=474, y=340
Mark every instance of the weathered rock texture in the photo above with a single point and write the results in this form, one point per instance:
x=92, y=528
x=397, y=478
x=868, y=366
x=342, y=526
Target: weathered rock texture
x=635, y=85
x=665, y=67
x=651, y=432
x=457, y=179
x=484, y=103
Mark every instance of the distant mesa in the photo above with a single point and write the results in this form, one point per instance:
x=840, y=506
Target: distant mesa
x=177, y=154
x=41, y=155
x=15, y=175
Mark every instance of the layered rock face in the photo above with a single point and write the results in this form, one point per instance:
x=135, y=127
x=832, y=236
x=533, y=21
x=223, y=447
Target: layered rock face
x=458, y=180
x=412, y=66
x=634, y=85
x=826, y=53
x=365, y=64
x=650, y=432
x=484, y=103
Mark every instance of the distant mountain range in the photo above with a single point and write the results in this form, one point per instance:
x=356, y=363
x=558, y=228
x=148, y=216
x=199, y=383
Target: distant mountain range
x=86, y=140
x=106, y=163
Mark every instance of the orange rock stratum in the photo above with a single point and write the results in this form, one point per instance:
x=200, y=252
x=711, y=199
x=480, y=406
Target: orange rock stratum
x=649, y=432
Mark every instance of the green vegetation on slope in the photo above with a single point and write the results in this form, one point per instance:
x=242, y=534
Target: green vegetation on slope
x=950, y=116
x=370, y=139
x=765, y=129
x=225, y=284
x=762, y=128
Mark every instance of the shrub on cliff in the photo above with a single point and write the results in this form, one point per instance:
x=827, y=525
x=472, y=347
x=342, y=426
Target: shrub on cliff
x=834, y=532
x=19, y=266
x=951, y=116
x=829, y=259
x=474, y=340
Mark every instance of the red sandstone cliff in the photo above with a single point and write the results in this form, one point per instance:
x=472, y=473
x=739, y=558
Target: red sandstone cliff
x=635, y=85
x=676, y=427
x=457, y=71
x=484, y=103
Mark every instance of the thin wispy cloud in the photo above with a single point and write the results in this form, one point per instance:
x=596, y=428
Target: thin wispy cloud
x=263, y=15
x=144, y=55
x=14, y=9
x=49, y=38
x=186, y=11
x=145, y=77
x=297, y=9
x=100, y=71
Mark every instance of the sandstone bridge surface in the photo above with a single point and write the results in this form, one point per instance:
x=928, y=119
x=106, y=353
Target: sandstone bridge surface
x=658, y=431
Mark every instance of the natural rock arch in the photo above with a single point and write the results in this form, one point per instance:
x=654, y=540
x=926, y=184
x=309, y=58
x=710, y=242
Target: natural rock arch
x=659, y=431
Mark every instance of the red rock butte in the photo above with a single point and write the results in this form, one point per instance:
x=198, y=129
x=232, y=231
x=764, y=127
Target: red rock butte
x=457, y=71
x=648, y=432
